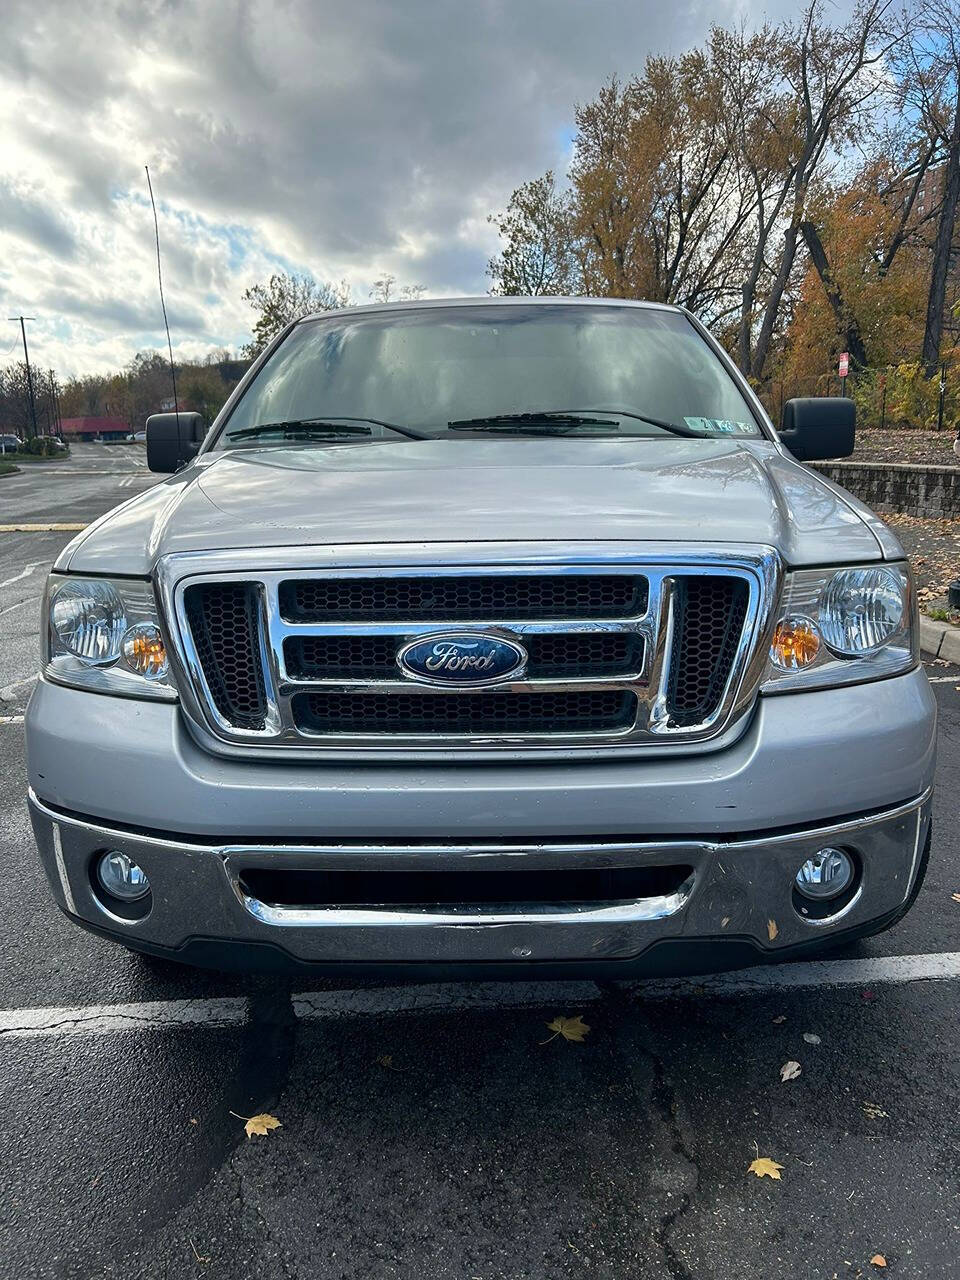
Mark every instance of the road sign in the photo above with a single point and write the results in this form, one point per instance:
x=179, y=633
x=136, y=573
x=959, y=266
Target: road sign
x=844, y=364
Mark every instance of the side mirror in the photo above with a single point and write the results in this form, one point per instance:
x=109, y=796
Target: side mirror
x=819, y=427
x=173, y=439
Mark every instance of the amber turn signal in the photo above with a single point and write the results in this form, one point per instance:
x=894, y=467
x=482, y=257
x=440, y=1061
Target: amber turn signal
x=795, y=644
x=144, y=652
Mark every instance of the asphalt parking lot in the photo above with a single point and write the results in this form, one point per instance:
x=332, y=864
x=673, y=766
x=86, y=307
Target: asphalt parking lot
x=430, y=1132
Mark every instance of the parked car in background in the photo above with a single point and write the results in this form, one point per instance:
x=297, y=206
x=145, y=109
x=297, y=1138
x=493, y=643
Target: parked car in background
x=486, y=637
x=10, y=443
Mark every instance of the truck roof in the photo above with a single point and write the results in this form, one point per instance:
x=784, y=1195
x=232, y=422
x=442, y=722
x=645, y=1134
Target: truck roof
x=485, y=300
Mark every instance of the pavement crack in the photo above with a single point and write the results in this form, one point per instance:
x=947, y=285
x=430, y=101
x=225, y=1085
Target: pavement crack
x=664, y=1099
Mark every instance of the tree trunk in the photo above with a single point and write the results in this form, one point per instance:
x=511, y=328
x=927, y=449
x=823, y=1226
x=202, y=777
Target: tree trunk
x=772, y=308
x=943, y=244
x=846, y=323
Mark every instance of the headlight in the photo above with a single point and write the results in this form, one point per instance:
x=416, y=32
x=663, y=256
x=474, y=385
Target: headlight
x=104, y=634
x=841, y=626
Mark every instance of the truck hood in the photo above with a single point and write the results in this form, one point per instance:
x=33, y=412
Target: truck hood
x=488, y=490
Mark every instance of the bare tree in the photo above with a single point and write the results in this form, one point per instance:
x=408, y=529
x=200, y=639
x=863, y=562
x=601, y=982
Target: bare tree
x=936, y=55
x=829, y=82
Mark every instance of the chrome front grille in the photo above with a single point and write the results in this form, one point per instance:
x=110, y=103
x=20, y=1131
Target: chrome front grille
x=625, y=651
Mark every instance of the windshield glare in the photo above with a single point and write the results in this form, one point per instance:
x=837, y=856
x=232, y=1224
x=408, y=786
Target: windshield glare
x=426, y=368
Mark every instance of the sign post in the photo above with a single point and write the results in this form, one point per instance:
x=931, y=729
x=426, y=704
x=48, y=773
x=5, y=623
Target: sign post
x=843, y=371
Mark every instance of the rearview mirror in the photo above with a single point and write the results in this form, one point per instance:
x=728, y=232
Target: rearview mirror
x=173, y=439
x=819, y=427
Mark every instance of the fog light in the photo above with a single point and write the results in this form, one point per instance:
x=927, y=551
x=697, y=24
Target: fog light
x=121, y=877
x=828, y=874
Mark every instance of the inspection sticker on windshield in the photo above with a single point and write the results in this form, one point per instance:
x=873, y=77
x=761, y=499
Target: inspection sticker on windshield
x=719, y=426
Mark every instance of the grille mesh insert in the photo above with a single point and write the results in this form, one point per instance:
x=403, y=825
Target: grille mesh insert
x=709, y=618
x=374, y=657
x=223, y=620
x=490, y=712
x=468, y=598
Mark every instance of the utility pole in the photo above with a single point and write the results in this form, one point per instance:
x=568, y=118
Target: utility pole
x=26, y=360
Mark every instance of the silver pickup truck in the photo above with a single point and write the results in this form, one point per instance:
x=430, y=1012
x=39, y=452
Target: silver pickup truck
x=488, y=637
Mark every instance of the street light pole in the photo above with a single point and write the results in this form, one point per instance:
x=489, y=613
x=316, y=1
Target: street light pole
x=26, y=360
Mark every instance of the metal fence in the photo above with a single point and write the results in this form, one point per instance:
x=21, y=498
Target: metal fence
x=894, y=396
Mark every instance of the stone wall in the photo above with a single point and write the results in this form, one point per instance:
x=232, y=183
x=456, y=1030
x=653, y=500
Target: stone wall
x=899, y=487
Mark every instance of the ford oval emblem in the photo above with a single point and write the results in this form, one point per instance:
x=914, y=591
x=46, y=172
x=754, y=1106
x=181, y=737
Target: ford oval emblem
x=462, y=659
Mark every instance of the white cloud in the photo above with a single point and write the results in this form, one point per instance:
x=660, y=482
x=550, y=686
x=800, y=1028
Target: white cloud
x=348, y=140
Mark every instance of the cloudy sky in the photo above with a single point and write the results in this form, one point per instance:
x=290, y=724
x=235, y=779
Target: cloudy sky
x=348, y=139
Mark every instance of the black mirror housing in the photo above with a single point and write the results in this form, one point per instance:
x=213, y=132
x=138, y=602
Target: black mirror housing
x=819, y=427
x=173, y=439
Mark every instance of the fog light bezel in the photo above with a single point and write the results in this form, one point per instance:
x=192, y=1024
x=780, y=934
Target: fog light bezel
x=124, y=909
x=823, y=910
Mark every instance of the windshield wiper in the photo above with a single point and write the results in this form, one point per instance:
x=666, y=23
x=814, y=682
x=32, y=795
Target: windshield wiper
x=674, y=428
x=556, y=421
x=539, y=424
x=318, y=428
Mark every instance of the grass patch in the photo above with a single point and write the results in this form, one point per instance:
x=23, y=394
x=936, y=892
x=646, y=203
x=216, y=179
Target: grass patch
x=7, y=468
x=34, y=457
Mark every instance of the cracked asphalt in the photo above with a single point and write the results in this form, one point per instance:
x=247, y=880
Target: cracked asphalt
x=455, y=1142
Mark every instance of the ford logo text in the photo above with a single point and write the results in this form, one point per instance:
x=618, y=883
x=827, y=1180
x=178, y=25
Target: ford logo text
x=463, y=659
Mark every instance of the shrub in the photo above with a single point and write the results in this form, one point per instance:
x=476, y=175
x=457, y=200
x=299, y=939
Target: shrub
x=42, y=447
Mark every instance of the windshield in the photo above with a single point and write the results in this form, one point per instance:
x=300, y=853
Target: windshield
x=451, y=372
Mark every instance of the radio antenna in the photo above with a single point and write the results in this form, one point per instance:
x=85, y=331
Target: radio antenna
x=163, y=305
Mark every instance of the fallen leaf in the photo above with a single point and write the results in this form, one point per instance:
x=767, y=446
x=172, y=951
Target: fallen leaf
x=764, y=1167
x=790, y=1071
x=955, y=897
x=570, y=1028
x=811, y=1038
x=772, y=929
x=259, y=1125
x=873, y=1112
x=868, y=995
x=726, y=919
x=781, y=1017
x=878, y=1260
x=387, y=1061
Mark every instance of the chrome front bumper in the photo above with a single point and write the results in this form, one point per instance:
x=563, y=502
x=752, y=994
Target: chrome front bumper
x=736, y=889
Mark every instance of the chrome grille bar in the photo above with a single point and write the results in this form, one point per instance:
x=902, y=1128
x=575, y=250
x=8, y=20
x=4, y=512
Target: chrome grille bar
x=759, y=569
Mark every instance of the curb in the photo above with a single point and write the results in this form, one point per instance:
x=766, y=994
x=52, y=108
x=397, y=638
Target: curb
x=940, y=639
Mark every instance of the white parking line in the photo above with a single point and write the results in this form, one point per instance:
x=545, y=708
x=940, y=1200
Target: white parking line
x=102, y=1019
x=25, y=572
x=158, y=1015
x=8, y=690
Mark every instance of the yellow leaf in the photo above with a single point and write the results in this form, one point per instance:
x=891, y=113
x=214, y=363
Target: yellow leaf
x=764, y=1167
x=387, y=1061
x=772, y=929
x=878, y=1260
x=570, y=1028
x=261, y=1125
